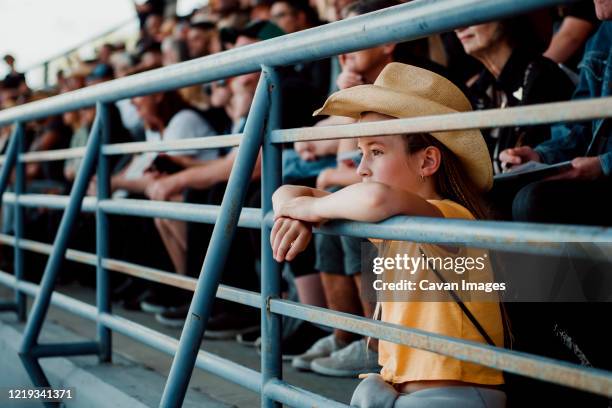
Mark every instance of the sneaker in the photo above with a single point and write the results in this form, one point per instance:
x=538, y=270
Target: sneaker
x=321, y=348
x=128, y=289
x=298, y=342
x=249, y=339
x=156, y=303
x=133, y=303
x=173, y=316
x=228, y=325
x=350, y=361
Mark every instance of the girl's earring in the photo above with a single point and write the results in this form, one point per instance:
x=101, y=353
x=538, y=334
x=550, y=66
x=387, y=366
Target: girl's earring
x=422, y=178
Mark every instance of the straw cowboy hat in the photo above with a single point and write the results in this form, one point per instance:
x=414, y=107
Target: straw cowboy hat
x=405, y=91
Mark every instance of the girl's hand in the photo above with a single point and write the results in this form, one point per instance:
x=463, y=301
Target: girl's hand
x=299, y=208
x=288, y=238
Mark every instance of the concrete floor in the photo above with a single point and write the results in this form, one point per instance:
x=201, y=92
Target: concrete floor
x=217, y=389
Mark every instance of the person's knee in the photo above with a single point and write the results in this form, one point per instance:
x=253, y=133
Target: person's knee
x=530, y=201
x=374, y=392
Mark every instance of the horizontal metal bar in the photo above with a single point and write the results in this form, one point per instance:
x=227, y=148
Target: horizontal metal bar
x=237, y=295
x=404, y=22
x=150, y=274
x=8, y=307
x=296, y=397
x=249, y=217
x=224, y=368
x=51, y=155
x=516, y=116
x=67, y=303
x=542, y=368
x=219, y=366
x=551, y=239
x=43, y=248
x=204, y=213
x=53, y=201
x=65, y=349
x=209, y=142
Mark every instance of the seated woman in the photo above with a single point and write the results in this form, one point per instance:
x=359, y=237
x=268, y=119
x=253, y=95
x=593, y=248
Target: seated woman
x=434, y=175
x=515, y=74
x=166, y=116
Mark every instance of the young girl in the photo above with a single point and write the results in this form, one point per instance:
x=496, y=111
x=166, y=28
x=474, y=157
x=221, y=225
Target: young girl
x=435, y=175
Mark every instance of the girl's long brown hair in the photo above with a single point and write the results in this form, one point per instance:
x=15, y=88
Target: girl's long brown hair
x=451, y=179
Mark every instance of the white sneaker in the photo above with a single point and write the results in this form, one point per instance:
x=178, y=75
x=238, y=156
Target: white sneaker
x=323, y=347
x=350, y=361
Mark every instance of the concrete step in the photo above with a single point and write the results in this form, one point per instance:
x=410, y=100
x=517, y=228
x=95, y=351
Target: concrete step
x=140, y=372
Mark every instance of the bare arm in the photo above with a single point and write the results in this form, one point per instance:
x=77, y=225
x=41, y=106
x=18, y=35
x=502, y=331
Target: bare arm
x=288, y=192
x=368, y=202
x=572, y=35
x=201, y=177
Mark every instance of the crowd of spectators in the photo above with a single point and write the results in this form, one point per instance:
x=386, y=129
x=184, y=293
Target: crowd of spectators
x=547, y=56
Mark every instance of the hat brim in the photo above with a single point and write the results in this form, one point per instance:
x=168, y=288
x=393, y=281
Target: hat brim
x=468, y=145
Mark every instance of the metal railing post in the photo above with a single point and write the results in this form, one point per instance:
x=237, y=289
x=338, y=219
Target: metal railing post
x=46, y=74
x=41, y=303
x=271, y=362
x=20, y=180
x=218, y=248
x=10, y=159
x=102, y=274
x=12, y=153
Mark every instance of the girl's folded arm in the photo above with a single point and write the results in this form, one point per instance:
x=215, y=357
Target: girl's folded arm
x=288, y=192
x=372, y=202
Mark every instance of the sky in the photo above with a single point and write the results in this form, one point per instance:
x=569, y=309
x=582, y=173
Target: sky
x=34, y=30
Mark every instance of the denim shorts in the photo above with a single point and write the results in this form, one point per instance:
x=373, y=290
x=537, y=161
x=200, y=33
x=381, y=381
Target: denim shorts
x=338, y=255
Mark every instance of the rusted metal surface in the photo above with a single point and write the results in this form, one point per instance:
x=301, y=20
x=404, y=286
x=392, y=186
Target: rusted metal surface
x=529, y=365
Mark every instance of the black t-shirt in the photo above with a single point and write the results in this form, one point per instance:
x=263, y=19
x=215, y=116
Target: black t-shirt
x=299, y=99
x=54, y=170
x=527, y=78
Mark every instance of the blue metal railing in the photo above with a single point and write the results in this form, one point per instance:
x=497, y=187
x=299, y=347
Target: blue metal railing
x=416, y=19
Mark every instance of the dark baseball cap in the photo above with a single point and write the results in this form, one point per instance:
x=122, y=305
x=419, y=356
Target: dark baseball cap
x=259, y=30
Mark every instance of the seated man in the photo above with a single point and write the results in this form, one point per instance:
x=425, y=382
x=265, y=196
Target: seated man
x=583, y=189
x=579, y=195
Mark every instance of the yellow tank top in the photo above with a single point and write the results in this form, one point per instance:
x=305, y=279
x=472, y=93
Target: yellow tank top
x=402, y=363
